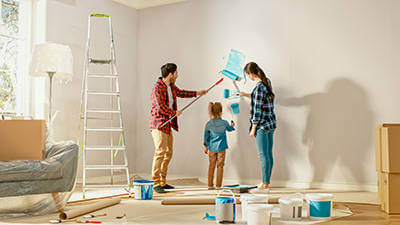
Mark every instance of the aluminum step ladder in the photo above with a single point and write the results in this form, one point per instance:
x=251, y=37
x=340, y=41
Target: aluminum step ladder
x=111, y=113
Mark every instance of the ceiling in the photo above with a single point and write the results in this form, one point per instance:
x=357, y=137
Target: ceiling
x=141, y=4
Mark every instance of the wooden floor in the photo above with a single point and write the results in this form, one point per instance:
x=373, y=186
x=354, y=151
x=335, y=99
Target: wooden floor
x=363, y=206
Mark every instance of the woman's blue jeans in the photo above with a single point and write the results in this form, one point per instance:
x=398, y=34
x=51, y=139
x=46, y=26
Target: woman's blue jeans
x=264, y=141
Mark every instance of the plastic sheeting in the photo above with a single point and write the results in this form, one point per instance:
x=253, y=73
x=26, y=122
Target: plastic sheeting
x=30, y=187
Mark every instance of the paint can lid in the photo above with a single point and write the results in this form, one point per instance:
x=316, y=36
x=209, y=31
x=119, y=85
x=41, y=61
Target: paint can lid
x=291, y=201
x=260, y=207
x=319, y=197
x=254, y=197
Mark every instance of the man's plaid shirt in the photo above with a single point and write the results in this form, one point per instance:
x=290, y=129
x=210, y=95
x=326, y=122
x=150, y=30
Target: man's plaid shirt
x=262, y=108
x=160, y=111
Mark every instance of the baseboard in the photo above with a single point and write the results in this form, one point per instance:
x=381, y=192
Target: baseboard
x=274, y=183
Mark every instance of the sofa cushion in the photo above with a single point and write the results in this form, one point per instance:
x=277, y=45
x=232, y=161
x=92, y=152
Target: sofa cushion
x=29, y=170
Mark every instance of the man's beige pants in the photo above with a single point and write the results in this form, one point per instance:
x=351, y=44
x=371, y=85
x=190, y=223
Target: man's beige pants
x=216, y=159
x=162, y=156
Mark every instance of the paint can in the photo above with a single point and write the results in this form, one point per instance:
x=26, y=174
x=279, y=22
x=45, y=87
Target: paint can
x=143, y=189
x=247, y=199
x=319, y=205
x=291, y=208
x=259, y=214
x=225, y=208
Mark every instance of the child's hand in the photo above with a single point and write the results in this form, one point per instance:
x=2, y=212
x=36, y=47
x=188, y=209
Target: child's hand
x=232, y=123
x=206, y=150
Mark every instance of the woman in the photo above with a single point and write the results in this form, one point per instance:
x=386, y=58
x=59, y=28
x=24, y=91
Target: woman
x=262, y=119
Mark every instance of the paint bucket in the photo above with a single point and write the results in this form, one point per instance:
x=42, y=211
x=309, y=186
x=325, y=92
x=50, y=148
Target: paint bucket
x=247, y=199
x=259, y=214
x=319, y=205
x=225, y=208
x=143, y=189
x=235, y=108
x=291, y=208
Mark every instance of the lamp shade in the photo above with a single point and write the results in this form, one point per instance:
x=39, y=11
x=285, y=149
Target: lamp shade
x=52, y=57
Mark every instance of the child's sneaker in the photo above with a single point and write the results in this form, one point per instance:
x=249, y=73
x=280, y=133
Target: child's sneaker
x=211, y=188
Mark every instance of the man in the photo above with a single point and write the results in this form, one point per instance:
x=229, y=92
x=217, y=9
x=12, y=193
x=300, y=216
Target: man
x=163, y=107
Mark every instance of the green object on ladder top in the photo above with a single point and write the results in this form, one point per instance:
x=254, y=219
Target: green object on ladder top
x=99, y=15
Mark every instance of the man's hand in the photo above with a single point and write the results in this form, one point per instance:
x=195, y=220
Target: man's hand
x=206, y=150
x=202, y=92
x=232, y=123
x=178, y=113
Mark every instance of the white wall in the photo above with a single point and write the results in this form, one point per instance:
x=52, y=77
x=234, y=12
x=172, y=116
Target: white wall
x=67, y=24
x=334, y=69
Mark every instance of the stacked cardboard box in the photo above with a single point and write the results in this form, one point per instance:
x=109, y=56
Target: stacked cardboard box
x=387, y=151
x=22, y=139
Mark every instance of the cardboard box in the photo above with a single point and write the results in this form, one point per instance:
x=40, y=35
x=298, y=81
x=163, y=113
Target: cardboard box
x=22, y=139
x=383, y=147
x=390, y=194
x=390, y=155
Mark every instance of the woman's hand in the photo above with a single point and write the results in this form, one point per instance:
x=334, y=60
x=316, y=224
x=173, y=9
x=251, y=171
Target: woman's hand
x=253, y=131
x=232, y=123
x=206, y=150
x=243, y=94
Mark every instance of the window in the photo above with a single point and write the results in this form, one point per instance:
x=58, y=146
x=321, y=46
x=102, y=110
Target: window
x=14, y=54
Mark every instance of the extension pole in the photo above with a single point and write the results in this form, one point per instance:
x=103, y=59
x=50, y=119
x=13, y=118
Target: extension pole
x=197, y=98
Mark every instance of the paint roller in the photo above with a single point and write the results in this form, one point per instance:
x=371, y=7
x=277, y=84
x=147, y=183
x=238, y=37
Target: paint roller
x=197, y=98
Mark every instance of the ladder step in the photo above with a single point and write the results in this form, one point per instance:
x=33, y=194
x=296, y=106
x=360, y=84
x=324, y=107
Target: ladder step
x=108, y=186
x=105, y=147
x=105, y=129
x=102, y=93
x=100, y=61
x=106, y=167
x=102, y=76
x=102, y=111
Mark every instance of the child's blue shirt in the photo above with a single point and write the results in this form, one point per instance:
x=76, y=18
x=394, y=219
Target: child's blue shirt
x=215, y=134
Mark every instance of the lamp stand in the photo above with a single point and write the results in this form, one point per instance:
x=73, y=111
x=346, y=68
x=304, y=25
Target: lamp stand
x=51, y=74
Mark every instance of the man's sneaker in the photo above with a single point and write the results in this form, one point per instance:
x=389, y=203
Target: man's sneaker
x=167, y=186
x=159, y=189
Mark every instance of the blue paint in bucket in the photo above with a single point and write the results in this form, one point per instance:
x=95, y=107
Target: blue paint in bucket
x=320, y=205
x=143, y=189
x=320, y=209
x=225, y=209
x=235, y=108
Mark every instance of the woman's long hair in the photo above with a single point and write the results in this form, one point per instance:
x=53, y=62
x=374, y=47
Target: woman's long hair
x=253, y=68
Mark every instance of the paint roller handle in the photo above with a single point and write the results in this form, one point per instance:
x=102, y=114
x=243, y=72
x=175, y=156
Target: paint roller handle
x=197, y=98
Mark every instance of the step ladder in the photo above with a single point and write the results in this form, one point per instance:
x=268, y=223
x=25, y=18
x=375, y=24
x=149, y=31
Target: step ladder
x=114, y=111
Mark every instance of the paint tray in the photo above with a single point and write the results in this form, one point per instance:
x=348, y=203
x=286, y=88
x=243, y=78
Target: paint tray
x=237, y=188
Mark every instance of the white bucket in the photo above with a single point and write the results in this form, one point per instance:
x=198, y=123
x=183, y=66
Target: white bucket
x=319, y=205
x=291, y=208
x=259, y=214
x=225, y=208
x=247, y=199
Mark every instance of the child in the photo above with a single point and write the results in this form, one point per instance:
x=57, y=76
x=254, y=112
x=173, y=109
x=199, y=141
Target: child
x=215, y=142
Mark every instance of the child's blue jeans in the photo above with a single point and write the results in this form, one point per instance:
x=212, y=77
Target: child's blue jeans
x=264, y=141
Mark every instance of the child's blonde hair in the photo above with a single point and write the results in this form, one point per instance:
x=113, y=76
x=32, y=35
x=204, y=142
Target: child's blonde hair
x=215, y=110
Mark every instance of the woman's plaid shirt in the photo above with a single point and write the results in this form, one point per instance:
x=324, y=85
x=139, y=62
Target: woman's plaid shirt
x=262, y=108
